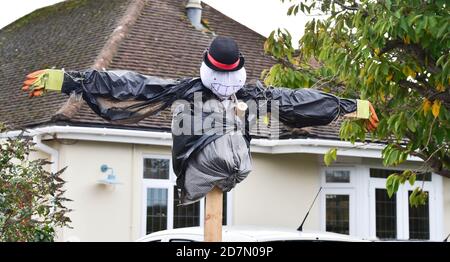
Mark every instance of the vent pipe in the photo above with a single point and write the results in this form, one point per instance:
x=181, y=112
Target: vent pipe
x=194, y=13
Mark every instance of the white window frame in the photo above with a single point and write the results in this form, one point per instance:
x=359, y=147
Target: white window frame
x=169, y=185
x=339, y=189
x=352, y=206
x=434, y=189
x=360, y=187
x=351, y=184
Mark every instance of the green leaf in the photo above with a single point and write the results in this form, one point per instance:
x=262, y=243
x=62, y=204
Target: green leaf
x=291, y=9
x=390, y=180
x=412, y=179
x=411, y=124
x=296, y=10
x=330, y=156
x=394, y=182
x=388, y=4
x=413, y=199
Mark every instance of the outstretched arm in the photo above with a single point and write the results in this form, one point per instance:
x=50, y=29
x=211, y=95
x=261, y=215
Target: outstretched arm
x=142, y=93
x=309, y=107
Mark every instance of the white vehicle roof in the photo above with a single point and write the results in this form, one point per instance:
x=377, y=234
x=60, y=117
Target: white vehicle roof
x=247, y=234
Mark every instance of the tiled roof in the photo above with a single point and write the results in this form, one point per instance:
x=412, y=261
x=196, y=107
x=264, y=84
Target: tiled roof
x=161, y=42
x=67, y=35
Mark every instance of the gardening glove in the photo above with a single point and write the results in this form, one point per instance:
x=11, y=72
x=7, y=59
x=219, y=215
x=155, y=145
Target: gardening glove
x=365, y=110
x=40, y=81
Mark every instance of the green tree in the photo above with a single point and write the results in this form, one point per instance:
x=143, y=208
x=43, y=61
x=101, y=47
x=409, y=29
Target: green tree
x=31, y=199
x=394, y=53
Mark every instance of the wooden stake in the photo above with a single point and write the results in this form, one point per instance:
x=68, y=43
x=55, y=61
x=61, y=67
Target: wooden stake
x=213, y=216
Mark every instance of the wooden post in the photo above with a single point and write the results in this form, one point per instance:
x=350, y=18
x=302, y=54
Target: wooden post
x=213, y=216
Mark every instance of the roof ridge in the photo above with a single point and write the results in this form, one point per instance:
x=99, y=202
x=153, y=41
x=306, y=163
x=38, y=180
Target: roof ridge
x=111, y=46
x=74, y=103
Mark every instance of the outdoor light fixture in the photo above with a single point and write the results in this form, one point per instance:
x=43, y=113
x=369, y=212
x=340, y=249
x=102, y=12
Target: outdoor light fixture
x=110, y=179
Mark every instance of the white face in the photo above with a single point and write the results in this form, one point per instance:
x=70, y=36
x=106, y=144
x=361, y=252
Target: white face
x=223, y=84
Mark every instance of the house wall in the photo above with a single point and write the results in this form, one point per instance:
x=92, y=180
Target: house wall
x=277, y=193
x=100, y=213
x=103, y=213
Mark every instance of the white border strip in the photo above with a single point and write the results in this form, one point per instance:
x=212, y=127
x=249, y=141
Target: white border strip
x=265, y=146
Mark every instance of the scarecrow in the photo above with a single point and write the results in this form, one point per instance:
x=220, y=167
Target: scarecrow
x=202, y=157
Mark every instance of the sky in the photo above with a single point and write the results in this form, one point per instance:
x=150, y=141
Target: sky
x=262, y=16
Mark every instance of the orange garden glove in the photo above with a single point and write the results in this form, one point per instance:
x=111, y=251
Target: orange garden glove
x=373, y=121
x=40, y=81
x=366, y=111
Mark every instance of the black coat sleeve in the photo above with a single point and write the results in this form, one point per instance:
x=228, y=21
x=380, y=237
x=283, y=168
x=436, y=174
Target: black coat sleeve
x=123, y=95
x=301, y=107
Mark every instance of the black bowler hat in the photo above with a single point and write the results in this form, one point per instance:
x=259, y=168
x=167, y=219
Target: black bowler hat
x=223, y=55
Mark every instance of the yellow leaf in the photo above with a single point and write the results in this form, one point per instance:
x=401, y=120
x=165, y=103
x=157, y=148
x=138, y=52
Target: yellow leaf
x=409, y=72
x=406, y=40
x=440, y=87
x=426, y=106
x=382, y=96
x=369, y=79
x=363, y=72
x=436, y=107
x=377, y=51
x=389, y=77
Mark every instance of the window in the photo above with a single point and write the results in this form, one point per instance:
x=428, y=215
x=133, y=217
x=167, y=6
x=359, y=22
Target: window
x=384, y=173
x=156, y=168
x=337, y=213
x=419, y=221
x=337, y=176
x=337, y=200
x=185, y=216
x=386, y=214
x=156, y=209
x=394, y=218
x=161, y=204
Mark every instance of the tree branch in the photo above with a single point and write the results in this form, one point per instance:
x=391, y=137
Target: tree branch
x=416, y=50
x=435, y=163
x=430, y=94
x=353, y=7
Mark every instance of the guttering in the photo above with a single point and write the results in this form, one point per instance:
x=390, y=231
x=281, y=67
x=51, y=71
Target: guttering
x=54, y=154
x=98, y=134
x=317, y=146
x=265, y=146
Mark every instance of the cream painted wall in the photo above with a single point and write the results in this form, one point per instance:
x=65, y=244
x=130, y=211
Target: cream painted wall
x=278, y=192
x=101, y=213
x=446, y=190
